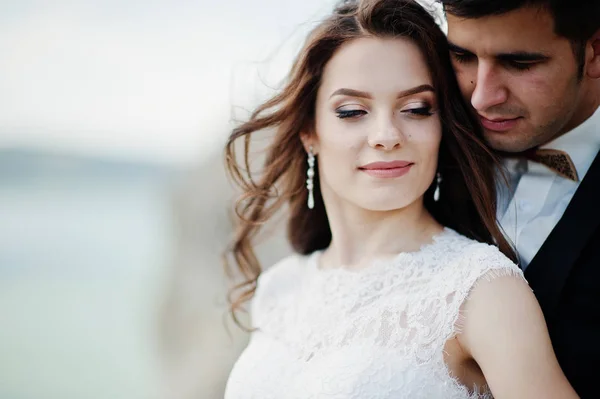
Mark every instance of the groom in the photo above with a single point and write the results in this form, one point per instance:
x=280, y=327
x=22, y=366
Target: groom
x=531, y=70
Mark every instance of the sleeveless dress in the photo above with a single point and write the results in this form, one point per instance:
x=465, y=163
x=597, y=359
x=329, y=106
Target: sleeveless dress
x=375, y=333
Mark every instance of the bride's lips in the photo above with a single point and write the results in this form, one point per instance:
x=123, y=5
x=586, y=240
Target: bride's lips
x=387, y=169
x=499, y=125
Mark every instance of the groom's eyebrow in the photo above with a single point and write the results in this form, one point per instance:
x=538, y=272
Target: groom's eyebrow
x=522, y=56
x=517, y=56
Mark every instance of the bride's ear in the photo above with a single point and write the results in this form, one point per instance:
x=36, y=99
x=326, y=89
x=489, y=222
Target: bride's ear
x=309, y=140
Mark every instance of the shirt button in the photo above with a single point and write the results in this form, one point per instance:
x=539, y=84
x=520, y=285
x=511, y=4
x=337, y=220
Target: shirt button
x=525, y=205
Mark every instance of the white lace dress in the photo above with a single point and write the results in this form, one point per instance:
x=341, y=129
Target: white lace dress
x=374, y=333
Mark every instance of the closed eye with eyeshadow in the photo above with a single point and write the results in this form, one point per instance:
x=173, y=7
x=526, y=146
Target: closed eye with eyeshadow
x=418, y=110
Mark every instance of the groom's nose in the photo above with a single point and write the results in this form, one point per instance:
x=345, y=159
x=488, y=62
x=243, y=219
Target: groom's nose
x=489, y=88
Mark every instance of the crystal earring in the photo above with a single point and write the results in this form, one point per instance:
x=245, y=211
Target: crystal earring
x=310, y=173
x=436, y=193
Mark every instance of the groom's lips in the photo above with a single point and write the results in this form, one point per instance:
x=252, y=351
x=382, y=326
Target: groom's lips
x=498, y=124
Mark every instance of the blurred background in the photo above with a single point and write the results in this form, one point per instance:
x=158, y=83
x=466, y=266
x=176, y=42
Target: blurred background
x=114, y=205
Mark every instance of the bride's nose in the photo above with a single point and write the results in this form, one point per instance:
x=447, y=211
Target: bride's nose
x=386, y=135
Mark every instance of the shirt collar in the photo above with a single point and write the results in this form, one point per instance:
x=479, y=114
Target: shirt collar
x=582, y=143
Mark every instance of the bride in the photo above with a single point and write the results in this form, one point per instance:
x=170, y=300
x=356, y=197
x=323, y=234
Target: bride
x=402, y=285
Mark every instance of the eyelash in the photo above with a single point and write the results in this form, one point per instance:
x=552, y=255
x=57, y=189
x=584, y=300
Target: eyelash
x=462, y=57
x=520, y=66
x=353, y=113
x=350, y=113
x=421, y=111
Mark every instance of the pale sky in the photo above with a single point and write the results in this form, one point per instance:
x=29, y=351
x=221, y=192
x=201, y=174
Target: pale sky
x=146, y=79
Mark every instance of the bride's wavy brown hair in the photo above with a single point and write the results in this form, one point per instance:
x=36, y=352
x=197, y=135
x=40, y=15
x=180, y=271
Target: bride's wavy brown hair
x=468, y=191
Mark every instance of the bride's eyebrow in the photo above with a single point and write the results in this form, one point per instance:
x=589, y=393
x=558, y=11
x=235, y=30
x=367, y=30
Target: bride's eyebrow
x=364, y=94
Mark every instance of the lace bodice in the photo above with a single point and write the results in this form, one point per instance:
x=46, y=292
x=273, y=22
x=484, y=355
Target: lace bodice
x=374, y=333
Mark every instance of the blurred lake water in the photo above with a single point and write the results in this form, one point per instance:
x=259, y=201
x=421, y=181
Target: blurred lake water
x=85, y=246
x=111, y=282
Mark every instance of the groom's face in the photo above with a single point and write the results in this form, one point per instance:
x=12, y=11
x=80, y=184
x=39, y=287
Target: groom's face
x=521, y=78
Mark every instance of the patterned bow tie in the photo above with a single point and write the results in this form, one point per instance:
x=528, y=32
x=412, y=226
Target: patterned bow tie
x=558, y=161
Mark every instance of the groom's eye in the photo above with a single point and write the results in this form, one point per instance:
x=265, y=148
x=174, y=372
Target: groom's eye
x=520, y=66
x=462, y=57
x=522, y=61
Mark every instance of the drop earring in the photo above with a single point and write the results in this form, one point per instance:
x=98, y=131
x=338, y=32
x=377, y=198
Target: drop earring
x=436, y=193
x=310, y=173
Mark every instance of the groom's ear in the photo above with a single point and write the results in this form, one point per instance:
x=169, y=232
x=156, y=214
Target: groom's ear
x=592, y=56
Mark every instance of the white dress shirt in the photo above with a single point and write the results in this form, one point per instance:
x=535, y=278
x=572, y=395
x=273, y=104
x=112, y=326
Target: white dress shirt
x=537, y=197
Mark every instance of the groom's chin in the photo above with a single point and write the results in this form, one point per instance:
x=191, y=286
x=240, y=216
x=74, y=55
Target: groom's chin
x=513, y=140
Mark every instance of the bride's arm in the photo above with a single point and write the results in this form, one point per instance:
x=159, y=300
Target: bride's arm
x=505, y=332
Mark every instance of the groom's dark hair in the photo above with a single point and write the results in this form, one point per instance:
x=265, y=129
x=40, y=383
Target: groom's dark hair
x=575, y=20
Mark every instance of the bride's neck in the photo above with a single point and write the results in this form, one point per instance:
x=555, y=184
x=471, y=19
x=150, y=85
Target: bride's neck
x=360, y=236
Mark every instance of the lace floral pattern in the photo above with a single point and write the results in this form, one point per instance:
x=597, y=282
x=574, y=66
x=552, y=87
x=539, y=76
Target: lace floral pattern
x=375, y=333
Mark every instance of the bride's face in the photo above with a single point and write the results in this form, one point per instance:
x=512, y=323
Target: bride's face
x=377, y=127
